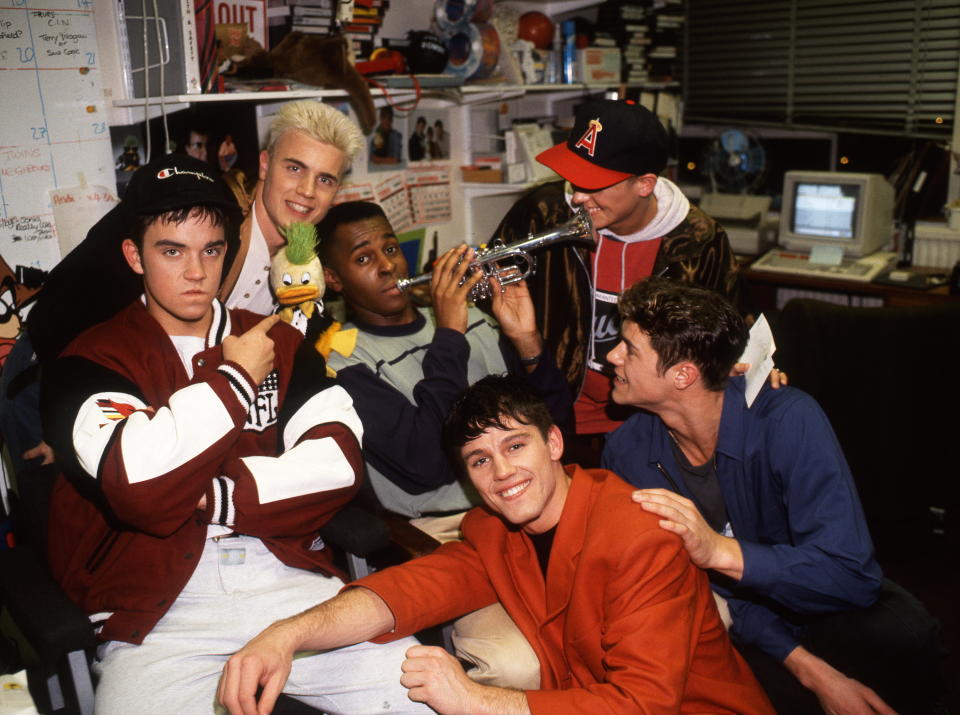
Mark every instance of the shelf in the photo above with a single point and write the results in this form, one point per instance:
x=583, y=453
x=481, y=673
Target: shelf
x=467, y=90
x=231, y=97
x=483, y=188
x=580, y=87
x=551, y=7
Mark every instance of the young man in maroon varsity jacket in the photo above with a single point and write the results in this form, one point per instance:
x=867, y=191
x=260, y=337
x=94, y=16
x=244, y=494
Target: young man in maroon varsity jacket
x=203, y=449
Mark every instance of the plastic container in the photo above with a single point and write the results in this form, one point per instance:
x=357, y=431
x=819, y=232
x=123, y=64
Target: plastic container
x=569, y=51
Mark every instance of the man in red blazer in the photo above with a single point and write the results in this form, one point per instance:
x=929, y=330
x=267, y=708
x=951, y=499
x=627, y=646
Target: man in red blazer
x=619, y=617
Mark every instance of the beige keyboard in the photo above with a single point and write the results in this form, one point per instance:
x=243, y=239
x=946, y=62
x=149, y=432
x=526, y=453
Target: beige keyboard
x=862, y=269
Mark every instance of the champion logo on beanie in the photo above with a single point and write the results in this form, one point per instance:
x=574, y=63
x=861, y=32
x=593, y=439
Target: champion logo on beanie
x=174, y=171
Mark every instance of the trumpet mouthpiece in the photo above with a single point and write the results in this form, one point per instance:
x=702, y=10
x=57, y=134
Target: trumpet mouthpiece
x=404, y=284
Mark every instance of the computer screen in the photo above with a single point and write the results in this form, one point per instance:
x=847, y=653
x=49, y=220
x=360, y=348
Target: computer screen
x=852, y=211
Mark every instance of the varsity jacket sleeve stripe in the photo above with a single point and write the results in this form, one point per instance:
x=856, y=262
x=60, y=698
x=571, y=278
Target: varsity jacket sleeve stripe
x=331, y=405
x=315, y=441
x=152, y=463
x=319, y=467
x=293, y=494
x=152, y=444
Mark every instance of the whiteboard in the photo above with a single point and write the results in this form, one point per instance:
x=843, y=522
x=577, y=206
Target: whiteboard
x=53, y=128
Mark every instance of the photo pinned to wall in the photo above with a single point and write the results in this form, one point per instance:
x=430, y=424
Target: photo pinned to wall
x=127, y=146
x=226, y=138
x=429, y=138
x=385, y=145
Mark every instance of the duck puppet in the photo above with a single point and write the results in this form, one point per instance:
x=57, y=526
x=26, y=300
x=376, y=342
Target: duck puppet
x=296, y=278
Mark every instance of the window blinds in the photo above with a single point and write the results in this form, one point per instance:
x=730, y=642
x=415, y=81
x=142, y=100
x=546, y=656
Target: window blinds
x=871, y=65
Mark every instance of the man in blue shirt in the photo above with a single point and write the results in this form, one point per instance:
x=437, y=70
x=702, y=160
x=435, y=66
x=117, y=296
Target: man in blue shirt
x=764, y=500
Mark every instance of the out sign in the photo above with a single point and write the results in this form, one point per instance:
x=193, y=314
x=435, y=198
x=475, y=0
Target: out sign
x=252, y=13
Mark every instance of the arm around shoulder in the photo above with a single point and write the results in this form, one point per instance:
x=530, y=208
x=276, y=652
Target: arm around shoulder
x=658, y=608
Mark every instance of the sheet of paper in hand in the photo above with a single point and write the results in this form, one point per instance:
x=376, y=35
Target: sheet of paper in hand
x=759, y=354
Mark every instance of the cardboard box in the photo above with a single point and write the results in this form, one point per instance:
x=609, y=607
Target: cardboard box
x=935, y=245
x=493, y=161
x=482, y=174
x=599, y=65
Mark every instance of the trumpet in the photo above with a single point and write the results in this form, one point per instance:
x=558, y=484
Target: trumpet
x=511, y=263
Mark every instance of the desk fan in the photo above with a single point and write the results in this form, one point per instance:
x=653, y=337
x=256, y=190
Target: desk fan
x=735, y=162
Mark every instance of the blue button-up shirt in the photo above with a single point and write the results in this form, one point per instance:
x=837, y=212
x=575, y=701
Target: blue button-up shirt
x=792, y=505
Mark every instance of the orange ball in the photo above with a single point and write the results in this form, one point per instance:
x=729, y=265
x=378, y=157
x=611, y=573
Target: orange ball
x=537, y=28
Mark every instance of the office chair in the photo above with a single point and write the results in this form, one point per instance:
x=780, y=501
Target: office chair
x=54, y=626
x=884, y=378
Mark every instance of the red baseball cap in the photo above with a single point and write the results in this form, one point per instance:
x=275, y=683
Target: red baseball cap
x=611, y=140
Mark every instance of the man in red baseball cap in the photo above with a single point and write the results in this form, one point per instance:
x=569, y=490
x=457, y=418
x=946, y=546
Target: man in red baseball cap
x=645, y=226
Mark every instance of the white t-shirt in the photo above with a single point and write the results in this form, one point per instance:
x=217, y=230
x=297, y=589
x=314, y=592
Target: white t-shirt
x=252, y=291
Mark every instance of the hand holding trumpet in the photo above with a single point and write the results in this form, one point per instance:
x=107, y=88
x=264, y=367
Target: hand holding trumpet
x=513, y=308
x=448, y=294
x=511, y=303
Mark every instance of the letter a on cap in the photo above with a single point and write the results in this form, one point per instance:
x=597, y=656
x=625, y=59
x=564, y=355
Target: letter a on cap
x=589, y=139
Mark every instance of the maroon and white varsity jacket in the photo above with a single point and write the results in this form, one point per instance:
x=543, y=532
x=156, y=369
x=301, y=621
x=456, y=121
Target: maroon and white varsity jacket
x=143, y=444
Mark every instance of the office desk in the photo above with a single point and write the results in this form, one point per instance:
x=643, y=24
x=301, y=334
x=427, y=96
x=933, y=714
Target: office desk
x=762, y=290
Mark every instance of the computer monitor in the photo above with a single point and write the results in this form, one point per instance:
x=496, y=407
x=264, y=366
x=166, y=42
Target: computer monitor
x=852, y=211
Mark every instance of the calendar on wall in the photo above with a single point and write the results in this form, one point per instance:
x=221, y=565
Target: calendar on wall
x=391, y=194
x=429, y=194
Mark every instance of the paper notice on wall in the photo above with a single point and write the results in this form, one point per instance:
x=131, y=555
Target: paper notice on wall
x=759, y=354
x=429, y=194
x=354, y=192
x=410, y=198
x=392, y=195
x=76, y=210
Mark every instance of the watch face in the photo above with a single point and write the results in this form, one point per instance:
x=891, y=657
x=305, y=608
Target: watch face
x=734, y=140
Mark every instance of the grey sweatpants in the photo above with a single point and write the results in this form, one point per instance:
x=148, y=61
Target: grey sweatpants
x=237, y=590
